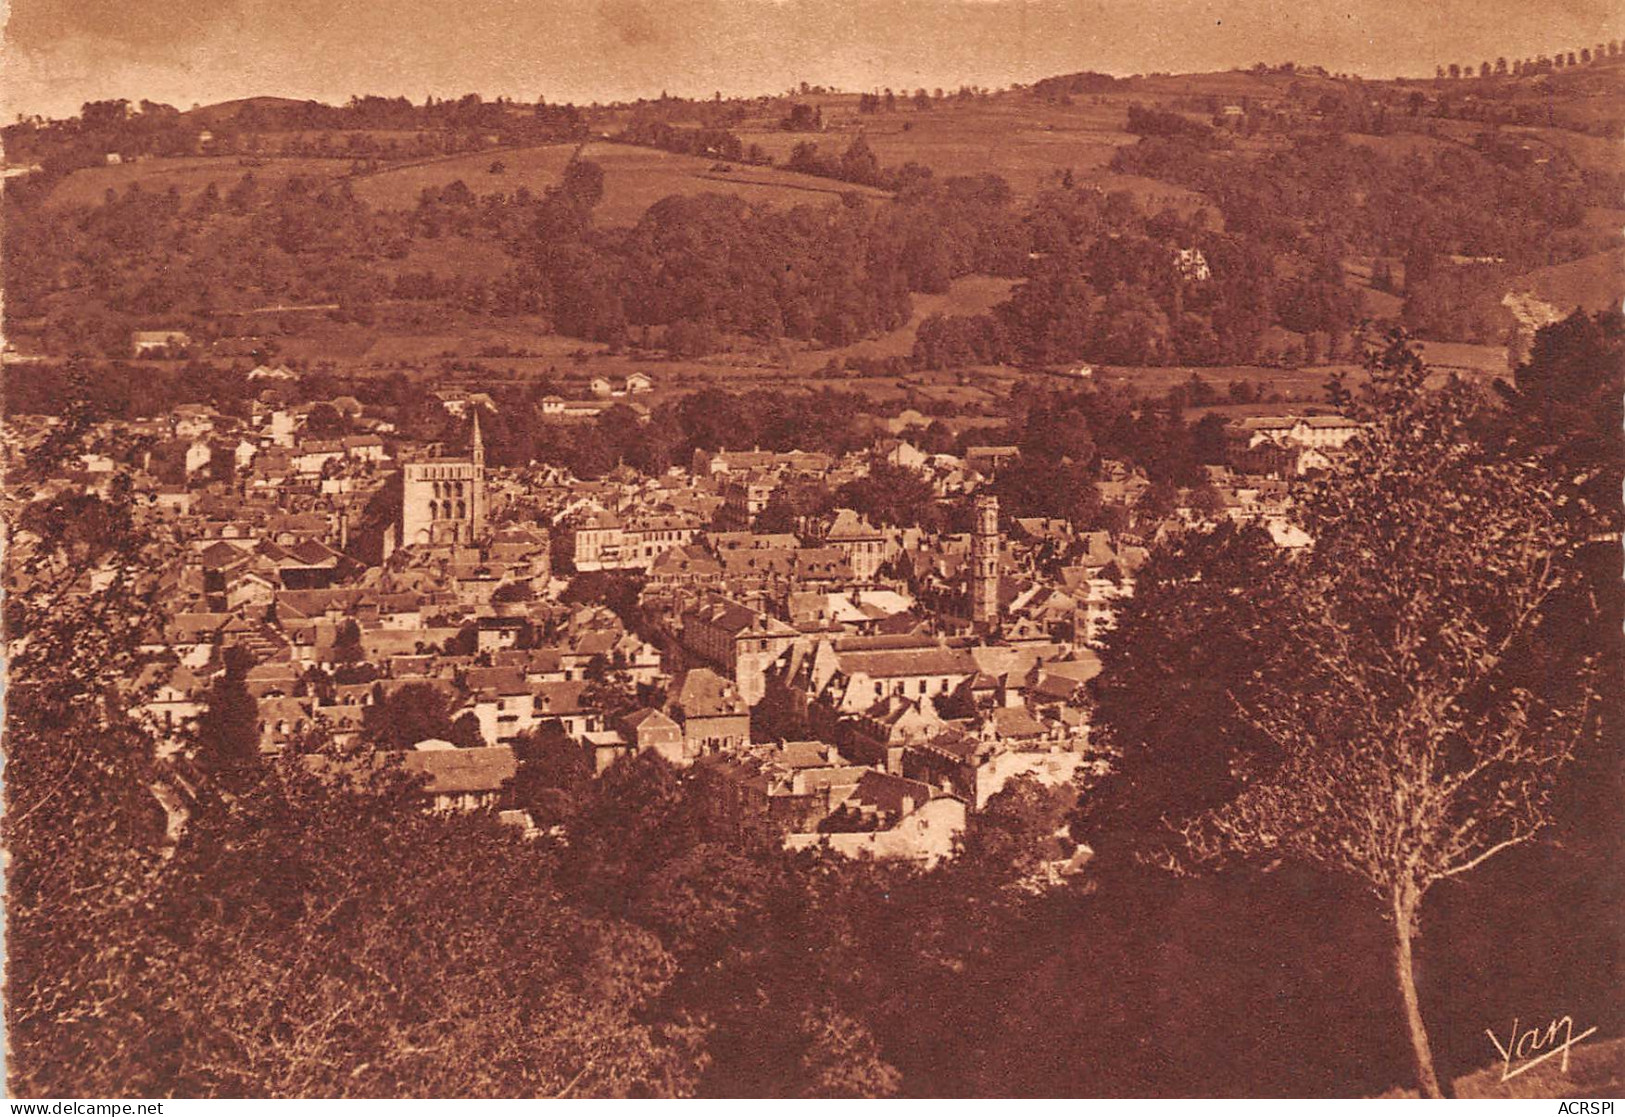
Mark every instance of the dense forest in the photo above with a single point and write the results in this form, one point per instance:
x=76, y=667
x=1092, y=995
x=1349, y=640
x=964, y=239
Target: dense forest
x=830, y=274
x=1100, y=279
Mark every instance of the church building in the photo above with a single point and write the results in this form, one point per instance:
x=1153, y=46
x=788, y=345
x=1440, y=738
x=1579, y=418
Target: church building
x=443, y=499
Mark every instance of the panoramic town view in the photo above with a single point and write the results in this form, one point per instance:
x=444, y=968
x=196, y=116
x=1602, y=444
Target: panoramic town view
x=1105, y=584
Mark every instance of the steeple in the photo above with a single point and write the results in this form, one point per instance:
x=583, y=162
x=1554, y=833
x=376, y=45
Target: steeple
x=476, y=526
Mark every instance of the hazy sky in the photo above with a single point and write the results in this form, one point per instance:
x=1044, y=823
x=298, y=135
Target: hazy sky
x=60, y=53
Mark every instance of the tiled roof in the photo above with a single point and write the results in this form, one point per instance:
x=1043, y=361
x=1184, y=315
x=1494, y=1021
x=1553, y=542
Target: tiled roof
x=685, y=560
x=458, y=771
x=651, y=717
x=1015, y=721
x=908, y=662
x=313, y=553
x=194, y=624
x=886, y=793
x=704, y=693
x=556, y=699
x=804, y=754
x=1083, y=666
x=217, y=556
x=496, y=680
x=848, y=525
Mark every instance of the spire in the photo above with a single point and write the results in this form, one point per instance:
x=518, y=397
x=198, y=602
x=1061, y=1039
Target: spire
x=476, y=528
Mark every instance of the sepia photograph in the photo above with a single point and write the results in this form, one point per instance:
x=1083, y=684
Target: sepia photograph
x=812, y=549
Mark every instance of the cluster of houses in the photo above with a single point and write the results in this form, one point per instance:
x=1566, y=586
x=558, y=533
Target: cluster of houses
x=1288, y=445
x=857, y=686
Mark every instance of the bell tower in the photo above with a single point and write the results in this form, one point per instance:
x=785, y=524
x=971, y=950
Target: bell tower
x=984, y=586
x=443, y=499
x=477, y=495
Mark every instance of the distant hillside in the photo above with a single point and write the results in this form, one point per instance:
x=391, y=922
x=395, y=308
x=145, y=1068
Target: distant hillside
x=225, y=111
x=1593, y=282
x=1234, y=84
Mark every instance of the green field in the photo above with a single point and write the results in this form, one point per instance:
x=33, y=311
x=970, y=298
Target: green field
x=1605, y=218
x=1028, y=144
x=1153, y=195
x=535, y=168
x=449, y=255
x=976, y=294
x=1229, y=84
x=190, y=176
x=635, y=178
x=338, y=139
x=1299, y=385
x=1379, y=305
x=1593, y=282
x=427, y=344
x=1482, y=362
x=1591, y=153
x=1400, y=145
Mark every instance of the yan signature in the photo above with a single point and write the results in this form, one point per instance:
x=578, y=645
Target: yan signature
x=1533, y=1046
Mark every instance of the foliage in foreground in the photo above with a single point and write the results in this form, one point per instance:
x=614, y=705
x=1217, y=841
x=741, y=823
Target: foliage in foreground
x=1368, y=695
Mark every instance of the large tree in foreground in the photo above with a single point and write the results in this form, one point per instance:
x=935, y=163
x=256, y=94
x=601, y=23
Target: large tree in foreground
x=1393, y=741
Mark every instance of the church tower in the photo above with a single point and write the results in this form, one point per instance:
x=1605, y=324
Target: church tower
x=443, y=499
x=477, y=495
x=984, y=586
